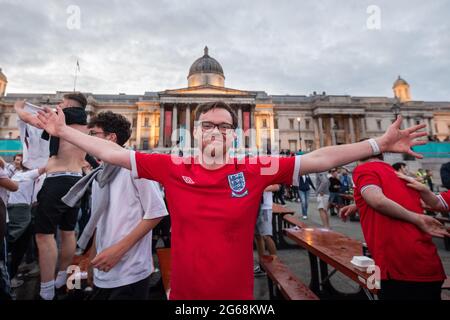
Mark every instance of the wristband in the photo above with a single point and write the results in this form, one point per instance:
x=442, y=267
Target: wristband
x=375, y=148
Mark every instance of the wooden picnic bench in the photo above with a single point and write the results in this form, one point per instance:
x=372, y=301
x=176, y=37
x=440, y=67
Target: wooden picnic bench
x=283, y=284
x=293, y=221
x=165, y=261
x=329, y=248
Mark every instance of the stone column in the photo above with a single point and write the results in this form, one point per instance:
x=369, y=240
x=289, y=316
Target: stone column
x=352, y=130
x=363, y=128
x=240, y=126
x=187, y=134
x=432, y=127
x=174, y=122
x=161, y=126
x=333, y=133
x=252, y=133
x=319, y=121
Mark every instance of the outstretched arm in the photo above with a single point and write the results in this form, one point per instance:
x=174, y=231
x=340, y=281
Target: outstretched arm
x=54, y=123
x=375, y=198
x=426, y=194
x=394, y=140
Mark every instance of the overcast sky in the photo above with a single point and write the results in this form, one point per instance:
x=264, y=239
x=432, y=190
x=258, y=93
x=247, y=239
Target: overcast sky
x=281, y=47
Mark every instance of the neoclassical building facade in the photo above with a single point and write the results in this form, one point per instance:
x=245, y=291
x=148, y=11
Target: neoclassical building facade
x=280, y=122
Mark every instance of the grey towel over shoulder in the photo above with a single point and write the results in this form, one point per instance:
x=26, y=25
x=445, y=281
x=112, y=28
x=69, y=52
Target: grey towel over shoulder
x=103, y=175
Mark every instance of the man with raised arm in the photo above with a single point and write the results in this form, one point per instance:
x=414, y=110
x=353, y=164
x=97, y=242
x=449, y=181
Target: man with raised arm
x=213, y=198
x=64, y=164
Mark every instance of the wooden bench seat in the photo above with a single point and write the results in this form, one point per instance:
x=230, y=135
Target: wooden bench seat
x=283, y=281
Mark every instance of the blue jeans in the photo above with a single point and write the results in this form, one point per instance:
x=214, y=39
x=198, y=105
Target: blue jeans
x=304, y=195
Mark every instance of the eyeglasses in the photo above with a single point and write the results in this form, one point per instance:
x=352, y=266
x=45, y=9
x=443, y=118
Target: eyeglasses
x=95, y=133
x=223, y=126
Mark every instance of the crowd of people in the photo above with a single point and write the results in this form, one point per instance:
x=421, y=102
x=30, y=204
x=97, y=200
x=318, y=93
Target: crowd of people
x=77, y=186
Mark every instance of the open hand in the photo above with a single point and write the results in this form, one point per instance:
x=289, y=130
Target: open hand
x=347, y=211
x=432, y=226
x=401, y=141
x=413, y=183
x=52, y=122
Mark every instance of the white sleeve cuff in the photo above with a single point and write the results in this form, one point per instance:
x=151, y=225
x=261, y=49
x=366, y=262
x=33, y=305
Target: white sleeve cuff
x=133, y=164
x=364, y=188
x=443, y=202
x=296, y=173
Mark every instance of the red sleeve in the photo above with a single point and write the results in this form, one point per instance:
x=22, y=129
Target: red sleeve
x=445, y=198
x=364, y=176
x=150, y=166
x=278, y=170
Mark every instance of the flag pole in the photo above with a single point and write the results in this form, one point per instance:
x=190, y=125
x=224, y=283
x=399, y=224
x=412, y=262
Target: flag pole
x=77, y=66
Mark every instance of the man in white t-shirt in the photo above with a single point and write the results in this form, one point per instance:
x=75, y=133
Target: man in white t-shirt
x=264, y=228
x=123, y=239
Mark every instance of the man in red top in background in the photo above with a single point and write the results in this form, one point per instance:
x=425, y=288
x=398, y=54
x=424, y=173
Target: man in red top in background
x=398, y=234
x=213, y=198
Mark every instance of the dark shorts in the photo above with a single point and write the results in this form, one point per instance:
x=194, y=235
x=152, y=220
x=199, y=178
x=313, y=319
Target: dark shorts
x=134, y=291
x=51, y=212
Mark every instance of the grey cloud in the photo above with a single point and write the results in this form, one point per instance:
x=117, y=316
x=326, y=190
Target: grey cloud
x=281, y=47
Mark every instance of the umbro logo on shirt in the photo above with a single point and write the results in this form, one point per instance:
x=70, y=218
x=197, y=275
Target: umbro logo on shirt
x=188, y=180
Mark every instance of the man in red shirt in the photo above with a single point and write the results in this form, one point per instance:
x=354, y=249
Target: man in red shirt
x=398, y=234
x=213, y=198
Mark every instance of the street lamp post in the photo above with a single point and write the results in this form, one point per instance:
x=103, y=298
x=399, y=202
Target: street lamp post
x=299, y=132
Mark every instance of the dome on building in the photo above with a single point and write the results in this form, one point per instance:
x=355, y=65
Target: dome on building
x=206, y=64
x=400, y=82
x=2, y=75
x=206, y=71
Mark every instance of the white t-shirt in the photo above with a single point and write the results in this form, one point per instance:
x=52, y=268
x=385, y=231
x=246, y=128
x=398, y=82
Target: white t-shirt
x=26, y=180
x=35, y=149
x=3, y=191
x=131, y=200
x=267, y=201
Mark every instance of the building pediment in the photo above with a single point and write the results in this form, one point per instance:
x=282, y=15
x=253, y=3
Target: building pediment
x=206, y=90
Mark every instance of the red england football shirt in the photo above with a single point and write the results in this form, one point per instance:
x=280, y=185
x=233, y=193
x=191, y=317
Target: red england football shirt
x=213, y=215
x=400, y=249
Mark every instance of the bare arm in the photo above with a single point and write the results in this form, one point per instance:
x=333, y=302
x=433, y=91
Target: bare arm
x=426, y=194
x=55, y=124
x=377, y=200
x=394, y=140
x=272, y=188
x=9, y=184
x=109, y=257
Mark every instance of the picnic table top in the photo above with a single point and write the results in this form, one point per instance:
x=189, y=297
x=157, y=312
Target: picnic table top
x=278, y=208
x=335, y=249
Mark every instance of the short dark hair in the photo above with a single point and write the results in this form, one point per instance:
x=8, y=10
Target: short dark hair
x=111, y=122
x=205, y=107
x=78, y=97
x=398, y=165
x=18, y=155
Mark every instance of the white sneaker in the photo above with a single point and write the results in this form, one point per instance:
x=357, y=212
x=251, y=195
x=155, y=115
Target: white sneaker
x=305, y=218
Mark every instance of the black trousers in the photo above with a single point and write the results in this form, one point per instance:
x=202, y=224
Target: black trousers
x=18, y=249
x=407, y=290
x=135, y=291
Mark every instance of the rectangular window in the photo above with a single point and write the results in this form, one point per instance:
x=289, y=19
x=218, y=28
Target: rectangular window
x=291, y=124
x=379, y=125
x=146, y=122
x=6, y=121
x=134, y=123
x=145, y=144
x=264, y=123
x=307, y=124
x=275, y=123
